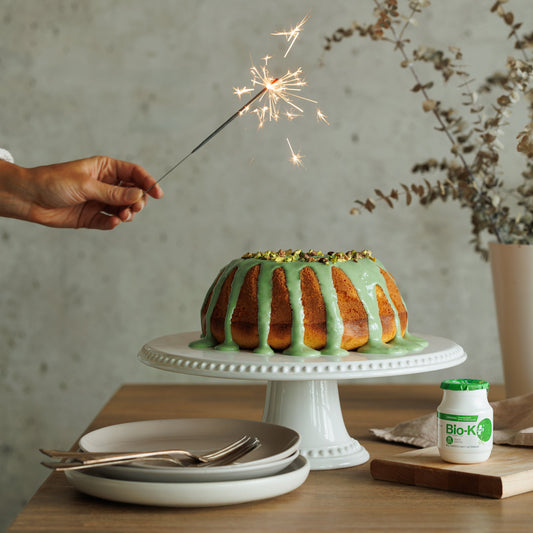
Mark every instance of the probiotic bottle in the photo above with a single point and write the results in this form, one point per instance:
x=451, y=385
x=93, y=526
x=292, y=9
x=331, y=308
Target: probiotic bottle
x=464, y=421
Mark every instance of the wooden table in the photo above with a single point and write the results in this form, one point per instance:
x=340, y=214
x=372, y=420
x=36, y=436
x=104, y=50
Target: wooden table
x=333, y=500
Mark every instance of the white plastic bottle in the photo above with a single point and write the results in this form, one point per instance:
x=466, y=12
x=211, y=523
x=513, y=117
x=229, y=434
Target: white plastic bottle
x=464, y=421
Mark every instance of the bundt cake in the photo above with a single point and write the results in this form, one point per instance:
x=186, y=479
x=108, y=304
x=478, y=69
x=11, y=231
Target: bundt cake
x=304, y=303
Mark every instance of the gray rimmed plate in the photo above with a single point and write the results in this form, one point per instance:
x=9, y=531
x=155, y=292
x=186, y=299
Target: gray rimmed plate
x=279, y=447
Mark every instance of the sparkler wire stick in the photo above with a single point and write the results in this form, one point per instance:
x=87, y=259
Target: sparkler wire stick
x=215, y=132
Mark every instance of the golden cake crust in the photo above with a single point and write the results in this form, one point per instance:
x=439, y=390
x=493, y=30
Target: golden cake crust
x=244, y=321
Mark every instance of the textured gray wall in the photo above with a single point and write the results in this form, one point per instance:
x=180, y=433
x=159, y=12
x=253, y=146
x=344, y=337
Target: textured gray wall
x=146, y=81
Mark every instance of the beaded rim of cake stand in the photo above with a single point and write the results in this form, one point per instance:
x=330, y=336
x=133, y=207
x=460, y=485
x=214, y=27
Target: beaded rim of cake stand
x=351, y=447
x=440, y=353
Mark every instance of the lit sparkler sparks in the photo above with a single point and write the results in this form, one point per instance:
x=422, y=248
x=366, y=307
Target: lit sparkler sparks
x=285, y=90
x=292, y=34
x=281, y=98
x=321, y=117
x=273, y=94
x=296, y=158
x=276, y=91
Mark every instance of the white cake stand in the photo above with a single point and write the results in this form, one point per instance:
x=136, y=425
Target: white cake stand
x=302, y=392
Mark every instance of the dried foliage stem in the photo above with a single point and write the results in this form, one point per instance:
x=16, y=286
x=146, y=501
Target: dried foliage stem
x=399, y=44
x=472, y=175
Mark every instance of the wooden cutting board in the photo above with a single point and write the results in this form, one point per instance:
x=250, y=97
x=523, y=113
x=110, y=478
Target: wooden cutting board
x=508, y=471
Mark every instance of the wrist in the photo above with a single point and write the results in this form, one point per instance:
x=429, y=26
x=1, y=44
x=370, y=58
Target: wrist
x=16, y=191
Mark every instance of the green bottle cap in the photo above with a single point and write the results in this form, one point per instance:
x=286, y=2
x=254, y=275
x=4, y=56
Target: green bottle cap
x=464, y=384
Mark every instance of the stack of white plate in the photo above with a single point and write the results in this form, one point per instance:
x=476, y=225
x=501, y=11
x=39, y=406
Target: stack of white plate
x=273, y=469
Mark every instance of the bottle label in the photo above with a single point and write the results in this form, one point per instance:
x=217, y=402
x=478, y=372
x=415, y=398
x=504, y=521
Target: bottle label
x=464, y=431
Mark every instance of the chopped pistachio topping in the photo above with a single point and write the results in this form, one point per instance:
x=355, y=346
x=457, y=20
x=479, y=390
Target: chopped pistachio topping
x=312, y=256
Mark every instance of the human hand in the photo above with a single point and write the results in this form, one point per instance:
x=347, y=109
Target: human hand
x=97, y=193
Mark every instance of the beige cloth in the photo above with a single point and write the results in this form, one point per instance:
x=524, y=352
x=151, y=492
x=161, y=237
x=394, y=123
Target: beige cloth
x=513, y=424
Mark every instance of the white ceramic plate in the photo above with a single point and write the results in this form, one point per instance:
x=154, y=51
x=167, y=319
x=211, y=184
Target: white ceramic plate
x=197, y=435
x=208, y=494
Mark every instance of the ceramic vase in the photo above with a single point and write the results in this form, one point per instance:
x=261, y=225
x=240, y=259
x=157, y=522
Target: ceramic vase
x=512, y=276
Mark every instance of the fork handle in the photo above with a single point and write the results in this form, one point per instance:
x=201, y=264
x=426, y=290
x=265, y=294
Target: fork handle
x=91, y=458
x=62, y=467
x=59, y=454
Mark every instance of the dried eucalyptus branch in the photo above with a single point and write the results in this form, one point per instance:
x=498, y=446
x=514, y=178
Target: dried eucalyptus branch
x=471, y=175
x=521, y=43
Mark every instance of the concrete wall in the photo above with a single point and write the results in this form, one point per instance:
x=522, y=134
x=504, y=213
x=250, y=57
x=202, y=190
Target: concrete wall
x=146, y=81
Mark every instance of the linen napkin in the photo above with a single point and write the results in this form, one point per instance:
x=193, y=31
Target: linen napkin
x=513, y=424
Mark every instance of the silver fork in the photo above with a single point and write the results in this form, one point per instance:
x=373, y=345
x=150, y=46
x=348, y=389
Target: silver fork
x=83, y=460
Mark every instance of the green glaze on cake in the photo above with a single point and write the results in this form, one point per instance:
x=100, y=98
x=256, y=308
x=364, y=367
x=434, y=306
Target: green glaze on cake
x=361, y=268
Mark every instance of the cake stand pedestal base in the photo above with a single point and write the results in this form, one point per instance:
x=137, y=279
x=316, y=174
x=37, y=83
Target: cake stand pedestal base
x=313, y=409
x=302, y=392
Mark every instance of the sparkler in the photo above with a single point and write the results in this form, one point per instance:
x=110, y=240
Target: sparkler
x=217, y=130
x=274, y=91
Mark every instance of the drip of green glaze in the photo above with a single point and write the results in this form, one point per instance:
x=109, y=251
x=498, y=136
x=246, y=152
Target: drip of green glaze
x=207, y=340
x=410, y=341
x=292, y=278
x=415, y=343
x=371, y=278
x=236, y=286
x=363, y=273
x=334, y=323
x=202, y=343
x=264, y=306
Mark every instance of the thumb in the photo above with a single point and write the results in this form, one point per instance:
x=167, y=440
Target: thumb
x=114, y=195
